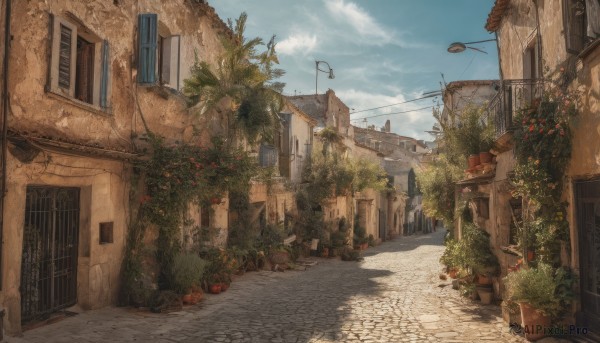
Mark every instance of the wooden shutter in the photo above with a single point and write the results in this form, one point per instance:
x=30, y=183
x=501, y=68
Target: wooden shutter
x=574, y=18
x=63, y=57
x=104, y=77
x=170, y=61
x=148, y=43
x=85, y=71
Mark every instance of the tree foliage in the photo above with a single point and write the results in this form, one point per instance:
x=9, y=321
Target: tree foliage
x=436, y=183
x=244, y=77
x=466, y=132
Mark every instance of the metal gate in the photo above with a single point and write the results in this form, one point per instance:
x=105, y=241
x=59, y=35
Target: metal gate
x=49, y=260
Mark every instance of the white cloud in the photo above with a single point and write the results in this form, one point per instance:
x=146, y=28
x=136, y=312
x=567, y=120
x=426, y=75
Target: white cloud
x=358, y=18
x=297, y=43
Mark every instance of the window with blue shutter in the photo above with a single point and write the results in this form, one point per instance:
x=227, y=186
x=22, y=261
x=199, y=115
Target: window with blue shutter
x=104, y=76
x=148, y=45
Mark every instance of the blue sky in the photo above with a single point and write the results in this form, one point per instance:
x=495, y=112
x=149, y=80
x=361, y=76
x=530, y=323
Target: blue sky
x=382, y=52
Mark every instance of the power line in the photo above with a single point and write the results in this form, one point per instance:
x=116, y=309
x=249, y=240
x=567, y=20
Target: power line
x=387, y=114
x=433, y=94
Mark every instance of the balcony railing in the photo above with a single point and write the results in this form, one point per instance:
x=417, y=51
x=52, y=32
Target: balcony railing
x=513, y=96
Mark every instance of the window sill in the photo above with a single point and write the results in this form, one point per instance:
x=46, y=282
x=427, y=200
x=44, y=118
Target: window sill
x=106, y=112
x=163, y=91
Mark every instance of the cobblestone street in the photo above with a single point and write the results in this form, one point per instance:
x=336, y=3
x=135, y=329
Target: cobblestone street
x=394, y=295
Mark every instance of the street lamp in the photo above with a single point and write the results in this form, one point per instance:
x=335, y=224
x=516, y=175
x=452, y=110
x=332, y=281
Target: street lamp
x=317, y=70
x=457, y=47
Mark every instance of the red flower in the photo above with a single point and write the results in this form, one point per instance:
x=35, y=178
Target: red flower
x=531, y=127
x=562, y=132
x=542, y=130
x=557, y=126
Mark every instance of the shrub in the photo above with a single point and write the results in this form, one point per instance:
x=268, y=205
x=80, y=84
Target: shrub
x=547, y=291
x=186, y=272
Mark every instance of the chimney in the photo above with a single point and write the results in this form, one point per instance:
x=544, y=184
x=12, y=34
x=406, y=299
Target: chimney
x=386, y=127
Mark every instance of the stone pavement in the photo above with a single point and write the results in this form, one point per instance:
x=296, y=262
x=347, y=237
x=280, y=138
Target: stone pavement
x=394, y=295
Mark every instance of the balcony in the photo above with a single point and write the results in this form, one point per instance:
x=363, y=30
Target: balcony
x=513, y=96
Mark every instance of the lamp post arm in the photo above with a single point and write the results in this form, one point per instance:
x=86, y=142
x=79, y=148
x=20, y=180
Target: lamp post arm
x=480, y=41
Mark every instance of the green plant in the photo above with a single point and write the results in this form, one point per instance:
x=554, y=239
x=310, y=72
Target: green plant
x=360, y=234
x=371, y=240
x=338, y=239
x=543, y=150
x=436, y=182
x=451, y=255
x=186, y=272
x=246, y=78
x=475, y=251
x=467, y=289
x=545, y=289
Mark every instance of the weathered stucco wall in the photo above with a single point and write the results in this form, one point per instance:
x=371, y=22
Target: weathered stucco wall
x=103, y=198
x=514, y=35
x=103, y=182
x=300, y=144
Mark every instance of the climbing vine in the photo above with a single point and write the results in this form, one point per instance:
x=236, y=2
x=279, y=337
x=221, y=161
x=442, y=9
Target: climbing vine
x=543, y=150
x=174, y=177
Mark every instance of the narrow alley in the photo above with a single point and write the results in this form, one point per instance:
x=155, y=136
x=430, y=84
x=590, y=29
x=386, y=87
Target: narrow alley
x=394, y=295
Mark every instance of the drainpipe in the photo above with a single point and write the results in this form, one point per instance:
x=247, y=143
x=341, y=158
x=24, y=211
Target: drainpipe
x=4, y=126
x=499, y=58
x=538, y=36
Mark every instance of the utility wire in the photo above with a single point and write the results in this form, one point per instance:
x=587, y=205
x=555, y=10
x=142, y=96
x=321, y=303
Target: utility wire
x=400, y=103
x=387, y=114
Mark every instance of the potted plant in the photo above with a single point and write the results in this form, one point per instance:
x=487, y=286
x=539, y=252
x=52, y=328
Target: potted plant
x=450, y=257
x=469, y=290
x=485, y=294
x=186, y=271
x=542, y=293
x=474, y=251
x=215, y=286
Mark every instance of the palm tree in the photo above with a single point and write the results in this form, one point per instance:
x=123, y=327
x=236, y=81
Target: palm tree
x=245, y=78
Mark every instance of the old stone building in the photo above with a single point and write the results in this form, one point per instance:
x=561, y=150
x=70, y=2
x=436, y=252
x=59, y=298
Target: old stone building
x=542, y=43
x=401, y=159
x=86, y=80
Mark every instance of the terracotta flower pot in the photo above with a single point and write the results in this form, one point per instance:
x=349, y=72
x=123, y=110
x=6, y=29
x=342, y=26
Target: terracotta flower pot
x=486, y=295
x=452, y=273
x=534, y=323
x=484, y=280
x=187, y=299
x=325, y=252
x=215, y=288
x=530, y=255
x=197, y=296
x=485, y=157
x=473, y=161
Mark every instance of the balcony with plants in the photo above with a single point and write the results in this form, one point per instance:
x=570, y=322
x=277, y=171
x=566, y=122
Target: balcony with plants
x=512, y=97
